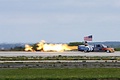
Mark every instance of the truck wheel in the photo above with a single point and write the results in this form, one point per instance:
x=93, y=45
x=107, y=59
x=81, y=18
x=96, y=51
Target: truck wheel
x=85, y=51
x=108, y=51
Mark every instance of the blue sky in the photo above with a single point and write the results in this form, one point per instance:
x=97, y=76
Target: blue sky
x=59, y=20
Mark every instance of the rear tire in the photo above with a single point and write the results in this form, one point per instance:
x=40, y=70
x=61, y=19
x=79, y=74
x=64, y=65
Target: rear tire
x=86, y=51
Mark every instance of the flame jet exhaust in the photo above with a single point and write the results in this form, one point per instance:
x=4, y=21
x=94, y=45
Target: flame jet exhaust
x=29, y=48
x=45, y=47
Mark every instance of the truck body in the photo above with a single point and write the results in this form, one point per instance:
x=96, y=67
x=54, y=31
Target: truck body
x=85, y=48
x=95, y=48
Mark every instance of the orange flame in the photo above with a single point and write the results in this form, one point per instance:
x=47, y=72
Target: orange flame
x=54, y=47
x=42, y=46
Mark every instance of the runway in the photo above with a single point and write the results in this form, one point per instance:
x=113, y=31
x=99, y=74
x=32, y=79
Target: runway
x=45, y=54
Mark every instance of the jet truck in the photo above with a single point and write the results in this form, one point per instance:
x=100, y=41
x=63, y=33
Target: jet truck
x=95, y=48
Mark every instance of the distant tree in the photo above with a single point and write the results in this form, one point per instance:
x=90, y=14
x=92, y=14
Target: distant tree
x=75, y=43
x=17, y=48
x=117, y=49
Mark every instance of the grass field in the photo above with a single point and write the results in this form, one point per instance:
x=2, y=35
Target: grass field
x=60, y=57
x=61, y=74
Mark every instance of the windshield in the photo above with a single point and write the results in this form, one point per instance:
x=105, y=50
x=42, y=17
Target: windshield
x=104, y=46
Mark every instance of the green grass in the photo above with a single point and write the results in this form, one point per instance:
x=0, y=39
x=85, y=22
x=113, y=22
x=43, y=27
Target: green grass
x=60, y=74
x=117, y=49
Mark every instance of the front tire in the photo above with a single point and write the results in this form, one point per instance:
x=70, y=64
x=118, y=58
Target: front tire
x=108, y=51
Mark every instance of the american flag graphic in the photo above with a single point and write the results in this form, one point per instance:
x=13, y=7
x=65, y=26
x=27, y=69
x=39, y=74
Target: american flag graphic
x=88, y=38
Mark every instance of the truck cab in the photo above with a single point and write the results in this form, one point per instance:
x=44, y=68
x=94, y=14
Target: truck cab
x=102, y=48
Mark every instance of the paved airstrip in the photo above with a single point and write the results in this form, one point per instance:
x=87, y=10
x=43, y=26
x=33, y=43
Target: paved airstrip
x=45, y=54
